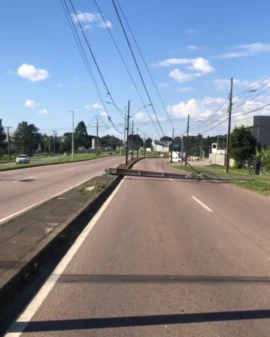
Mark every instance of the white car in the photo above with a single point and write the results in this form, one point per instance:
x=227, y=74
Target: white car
x=22, y=159
x=176, y=159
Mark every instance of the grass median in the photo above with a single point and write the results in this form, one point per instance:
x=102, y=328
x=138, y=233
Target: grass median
x=62, y=160
x=259, y=184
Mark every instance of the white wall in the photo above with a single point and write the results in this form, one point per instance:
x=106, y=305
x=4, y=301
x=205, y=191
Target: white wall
x=161, y=148
x=219, y=159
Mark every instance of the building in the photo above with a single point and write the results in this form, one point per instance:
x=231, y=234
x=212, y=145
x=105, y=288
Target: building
x=160, y=146
x=261, y=129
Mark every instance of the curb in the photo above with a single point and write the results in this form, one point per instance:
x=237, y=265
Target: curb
x=14, y=280
x=58, y=163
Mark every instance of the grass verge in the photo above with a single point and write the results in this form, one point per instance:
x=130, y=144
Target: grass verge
x=63, y=160
x=259, y=184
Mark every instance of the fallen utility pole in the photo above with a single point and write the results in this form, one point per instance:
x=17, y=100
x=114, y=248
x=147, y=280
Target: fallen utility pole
x=229, y=128
x=186, y=156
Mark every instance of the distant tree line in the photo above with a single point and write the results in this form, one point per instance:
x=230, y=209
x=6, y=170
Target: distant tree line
x=28, y=139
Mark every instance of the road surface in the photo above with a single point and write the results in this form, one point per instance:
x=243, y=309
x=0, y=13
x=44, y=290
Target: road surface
x=23, y=188
x=162, y=258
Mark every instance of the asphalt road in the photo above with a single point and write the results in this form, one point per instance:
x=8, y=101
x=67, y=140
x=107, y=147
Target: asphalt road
x=162, y=258
x=23, y=188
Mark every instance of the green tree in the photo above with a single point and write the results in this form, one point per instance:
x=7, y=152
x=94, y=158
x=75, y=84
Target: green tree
x=148, y=142
x=2, y=138
x=81, y=137
x=26, y=138
x=165, y=139
x=110, y=141
x=136, y=140
x=66, y=143
x=243, y=145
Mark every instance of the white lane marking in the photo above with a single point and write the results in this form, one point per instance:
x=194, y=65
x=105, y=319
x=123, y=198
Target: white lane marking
x=202, y=204
x=42, y=201
x=71, y=169
x=38, y=300
x=170, y=179
x=28, y=178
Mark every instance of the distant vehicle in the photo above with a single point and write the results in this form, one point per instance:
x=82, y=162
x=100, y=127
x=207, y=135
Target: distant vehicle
x=176, y=157
x=22, y=159
x=176, y=160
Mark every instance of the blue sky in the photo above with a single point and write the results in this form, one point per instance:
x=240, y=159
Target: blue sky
x=192, y=48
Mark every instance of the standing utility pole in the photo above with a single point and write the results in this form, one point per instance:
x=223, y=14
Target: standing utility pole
x=172, y=144
x=128, y=117
x=8, y=139
x=229, y=128
x=72, y=145
x=138, y=142
x=186, y=157
x=132, y=144
x=125, y=128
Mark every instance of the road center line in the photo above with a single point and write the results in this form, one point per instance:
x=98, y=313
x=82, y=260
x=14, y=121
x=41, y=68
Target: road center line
x=18, y=327
x=202, y=204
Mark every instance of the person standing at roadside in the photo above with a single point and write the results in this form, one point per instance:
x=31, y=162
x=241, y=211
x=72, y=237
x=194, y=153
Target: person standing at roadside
x=258, y=166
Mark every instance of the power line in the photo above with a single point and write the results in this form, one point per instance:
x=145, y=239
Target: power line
x=246, y=113
x=93, y=56
x=143, y=59
x=120, y=54
x=84, y=56
x=136, y=63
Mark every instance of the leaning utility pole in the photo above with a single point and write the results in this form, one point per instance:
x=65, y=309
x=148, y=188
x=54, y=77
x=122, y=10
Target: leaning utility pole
x=172, y=144
x=8, y=139
x=186, y=156
x=132, y=144
x=229, y=128
x=128, y=117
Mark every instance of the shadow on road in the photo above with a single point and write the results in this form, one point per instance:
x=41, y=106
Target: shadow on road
x=162, y=279
x=135, y=321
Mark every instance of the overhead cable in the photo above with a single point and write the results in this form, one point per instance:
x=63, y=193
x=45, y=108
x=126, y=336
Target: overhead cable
x=137, y=66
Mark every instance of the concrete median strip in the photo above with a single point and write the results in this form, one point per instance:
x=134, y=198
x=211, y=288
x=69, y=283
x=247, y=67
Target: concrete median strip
x=27, y=240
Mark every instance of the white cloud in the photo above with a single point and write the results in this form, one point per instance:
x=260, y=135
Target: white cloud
x=185, y=89
x=202, y=65
x=190, y=31
x=103, y=114
x=84, y=17
x=180, y=76
x=199, y=64
x=145, y=117
x=94, y=106
x=221, y=84
x=43, y=111
x=192, y=47
x=247, y=50
x=163, y=85
x=31, y=104
x=32, y=73
x=87, y=17
x=108, y=24
x=197, y=108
